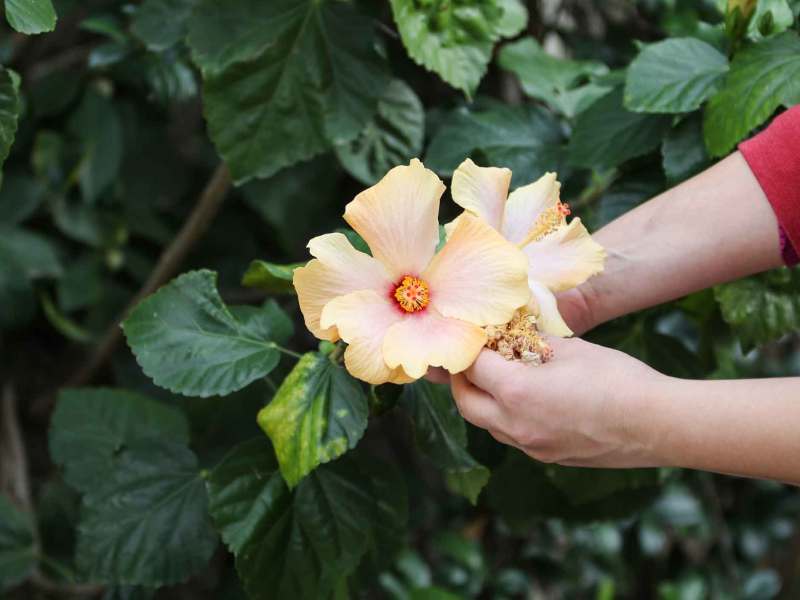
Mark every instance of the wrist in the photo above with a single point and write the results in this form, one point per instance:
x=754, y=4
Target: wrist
x=647, y=420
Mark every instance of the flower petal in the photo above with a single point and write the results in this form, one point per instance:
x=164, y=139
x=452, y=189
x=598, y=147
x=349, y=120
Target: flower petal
x=526, y=203
x=481, y=190
x=398, y=218
x=478, y=276
x=565, y=258
x=339, y=269
x=429, y=339
x=543, y=304
x=362, y=319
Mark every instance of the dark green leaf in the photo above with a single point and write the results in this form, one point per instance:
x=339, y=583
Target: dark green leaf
x=559, y=82
x=521, y=493
x=90, y=426
x=763, y=308
x=309, y=188
x=441, y=434
x=582, y=485
x=10, y=107
x=763, y=77
x=269, y=277
x=147, y=522
x=31, y=16
x=290, y=544
x=683, y=150
x=99, y=128
x=34, y=253
x=187, y=340
x=455, y=40
x=317, y=414
x=674, y=76
x=161, y=24
x=17, y=545
x=298, y=78
x=393, y=136
x=20, y=196
x=526, y=139
x=606, y=134
x=16, y=293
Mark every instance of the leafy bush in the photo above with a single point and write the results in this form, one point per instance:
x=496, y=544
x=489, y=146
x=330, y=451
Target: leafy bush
x=139, y=141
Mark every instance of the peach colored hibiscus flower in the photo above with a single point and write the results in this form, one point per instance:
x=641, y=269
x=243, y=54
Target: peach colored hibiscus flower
x=406, y=307
x=560, y=255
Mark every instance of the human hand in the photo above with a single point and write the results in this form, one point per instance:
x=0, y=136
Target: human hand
x=586, y=407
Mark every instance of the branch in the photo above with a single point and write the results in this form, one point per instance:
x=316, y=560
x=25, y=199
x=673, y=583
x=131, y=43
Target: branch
x=170, y=261
x=206, y=208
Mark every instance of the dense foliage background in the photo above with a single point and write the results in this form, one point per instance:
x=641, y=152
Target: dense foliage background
x=145, y=139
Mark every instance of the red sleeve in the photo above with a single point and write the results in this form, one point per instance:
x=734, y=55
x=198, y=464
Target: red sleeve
x=774, y=158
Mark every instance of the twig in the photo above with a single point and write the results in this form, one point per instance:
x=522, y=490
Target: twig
x=13, y=458
x=206, y=208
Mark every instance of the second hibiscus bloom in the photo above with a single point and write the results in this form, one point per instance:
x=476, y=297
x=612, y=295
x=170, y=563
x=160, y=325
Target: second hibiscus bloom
x=407, y=307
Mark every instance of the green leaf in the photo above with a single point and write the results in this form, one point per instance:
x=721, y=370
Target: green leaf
x=10, y=107
x=188, y=341
x=468, y=483
x=97, y=125
x=317, y=414
x=90, y=426
x=269, y=277
x=161, y=24
x=556, y=81
x=455, y=40
x=763, y=308
x=16, y=293
x=521, y=492
x=147, y=522
x=441, y=435
x=33, y=252
x=17, y=545
x=763, y=77
x=291, y=544
x=31, y=16
x=582, y=485
x=284, y=80
x=770, y=17
x=526, y=139
x=683, y=151
x=393, y=136
x=606, y=134
x=20, y=196
x=674, y=76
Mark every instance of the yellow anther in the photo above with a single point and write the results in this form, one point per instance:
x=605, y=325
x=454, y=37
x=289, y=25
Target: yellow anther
x=412, y=294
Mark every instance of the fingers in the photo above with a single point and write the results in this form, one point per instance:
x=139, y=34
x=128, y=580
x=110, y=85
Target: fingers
x=489, y=371
x=476, y=406
x=437, y=375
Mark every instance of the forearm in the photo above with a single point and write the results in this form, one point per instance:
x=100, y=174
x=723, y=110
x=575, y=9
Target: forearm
x=713, y=228
x=745, y=427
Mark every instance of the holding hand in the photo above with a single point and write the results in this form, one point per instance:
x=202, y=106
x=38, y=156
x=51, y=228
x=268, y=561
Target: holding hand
x=584, y=408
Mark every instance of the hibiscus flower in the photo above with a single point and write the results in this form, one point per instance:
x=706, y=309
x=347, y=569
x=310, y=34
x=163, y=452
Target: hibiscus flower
x=407, y=307
x=560, y=255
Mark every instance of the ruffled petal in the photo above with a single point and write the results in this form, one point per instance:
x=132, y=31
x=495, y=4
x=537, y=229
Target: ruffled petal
x=398, y=218
x=565, y=258
x=526, y=203
x=429, y=339
x=481, y=190
x=362, y=319
x=478, y=276
x=543, y=304
x=337, y=270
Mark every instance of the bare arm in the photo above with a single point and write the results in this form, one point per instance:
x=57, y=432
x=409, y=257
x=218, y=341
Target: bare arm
x=713, y=228
x=621, y=413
